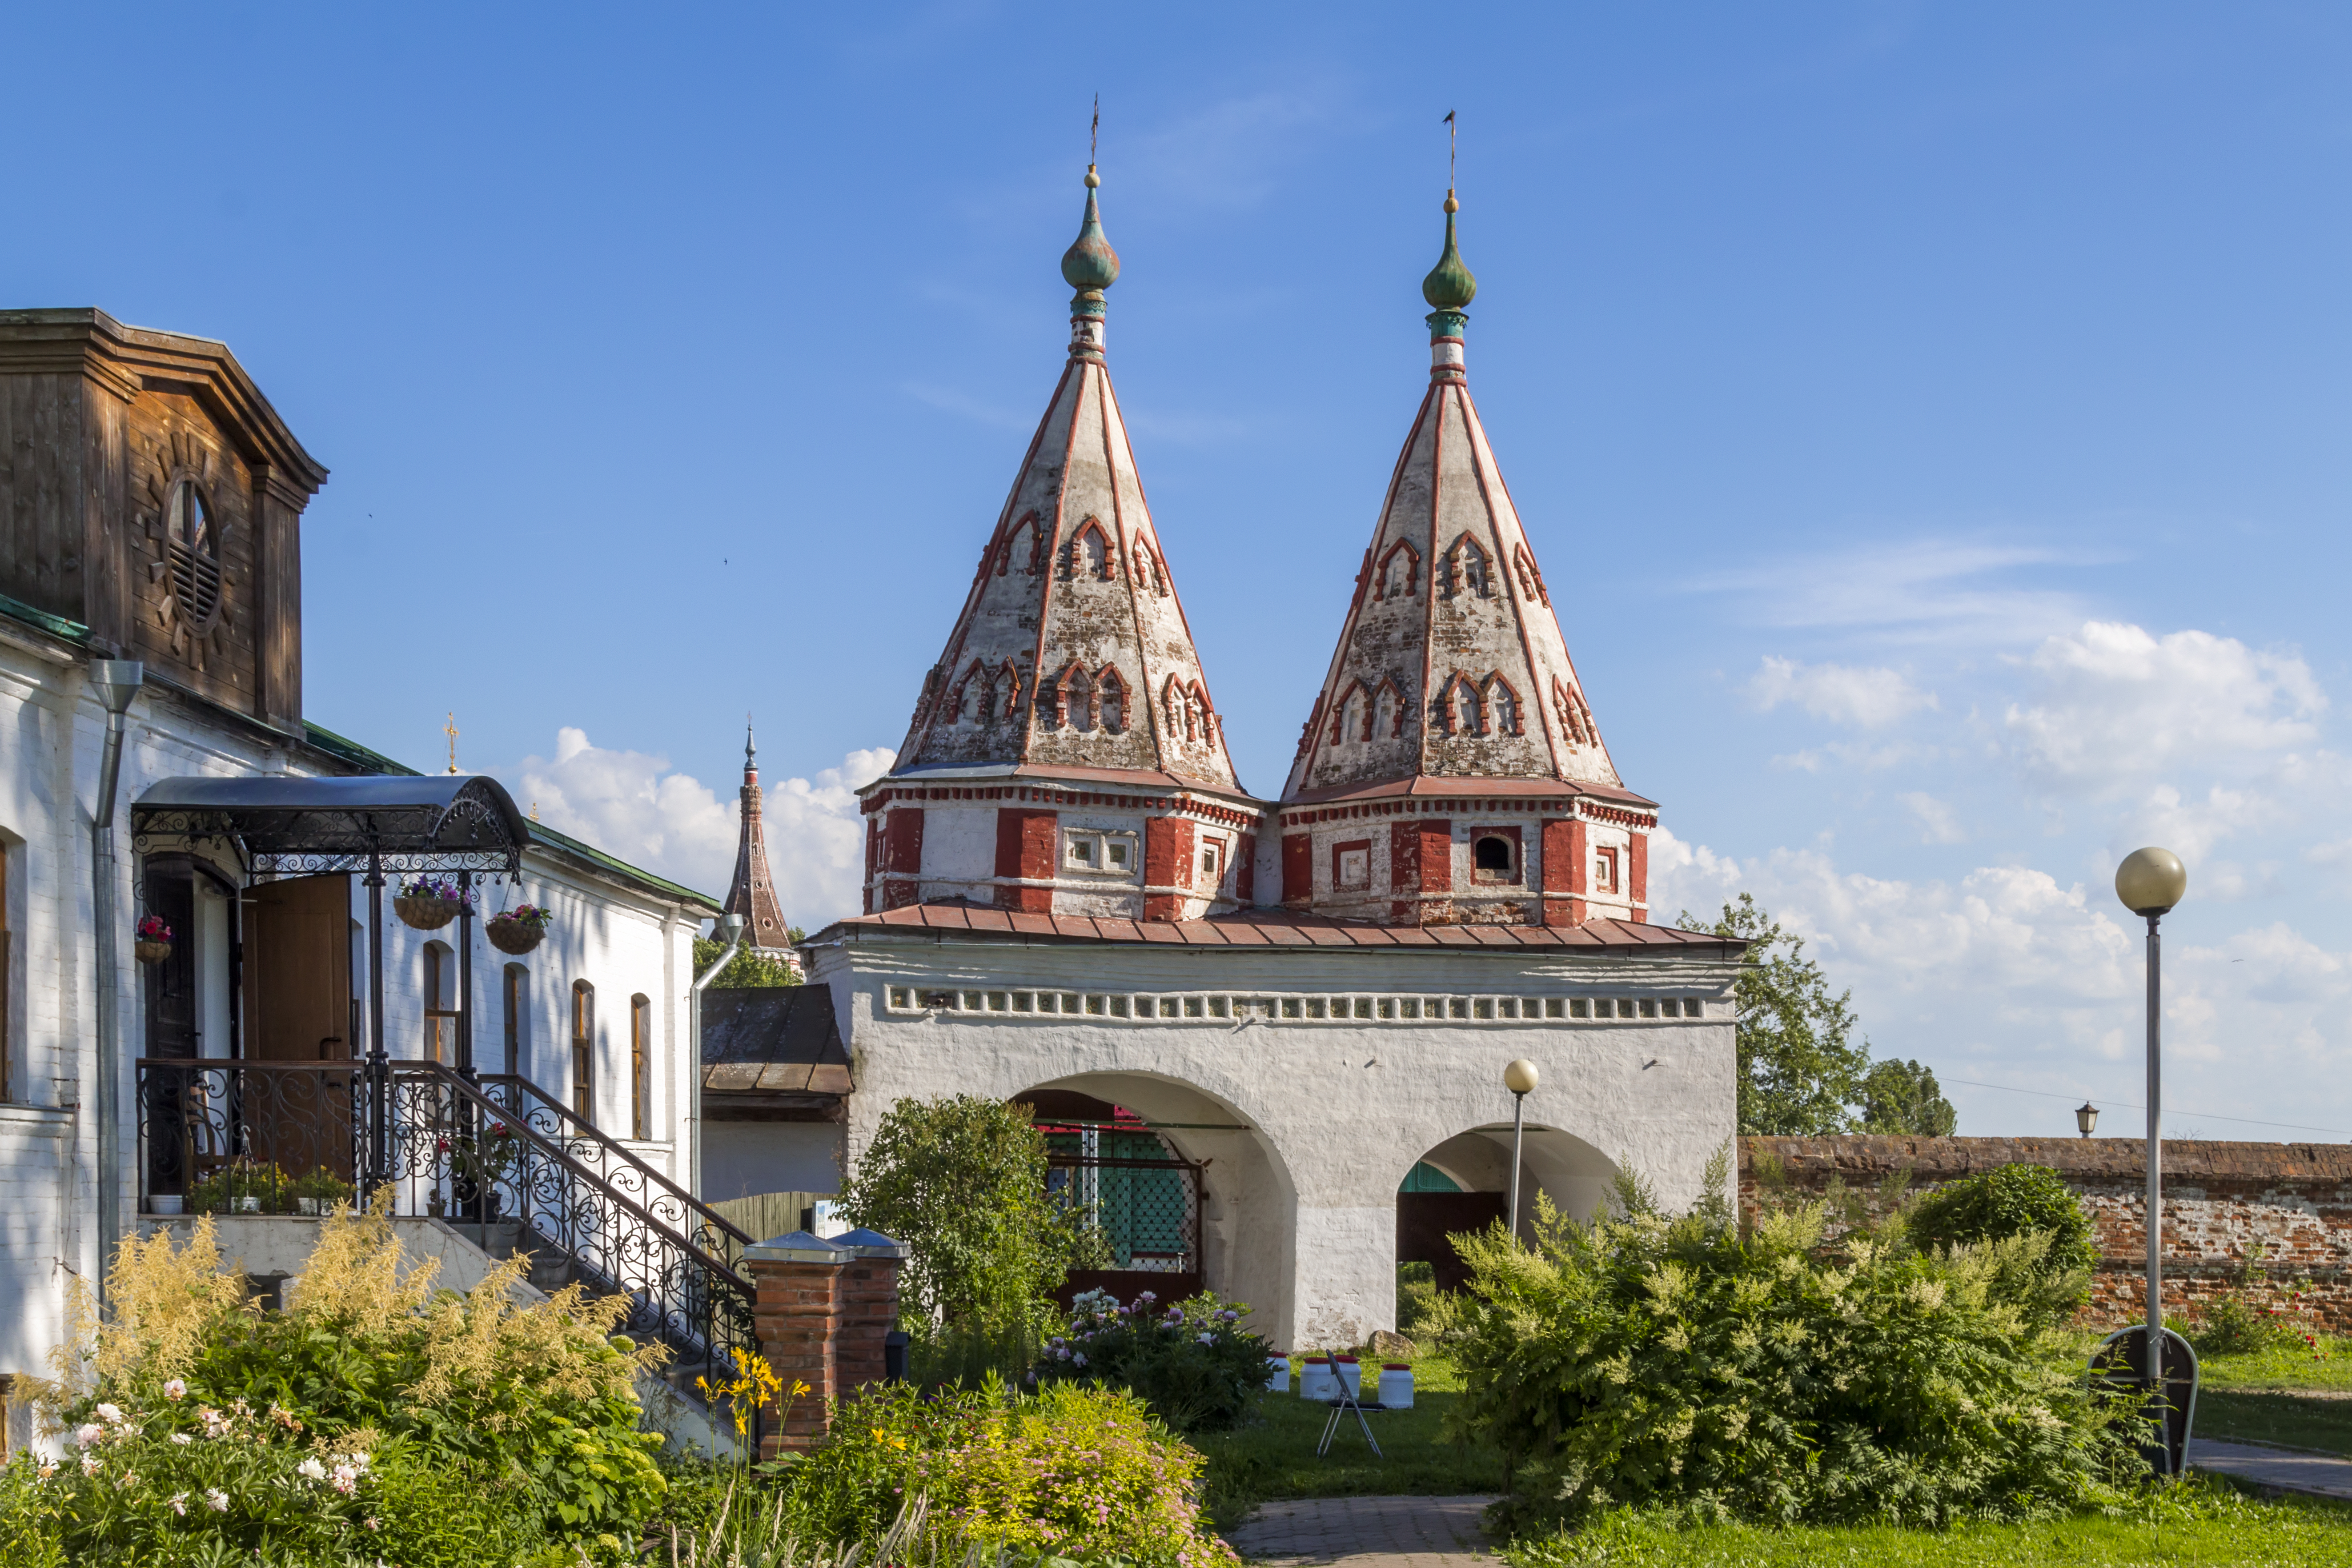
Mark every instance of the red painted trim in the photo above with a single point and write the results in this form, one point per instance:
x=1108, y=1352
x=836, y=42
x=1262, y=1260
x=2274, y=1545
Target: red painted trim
x=1053, y=545
x=1245, y=871
x=1637, y=873
x=1167, y=863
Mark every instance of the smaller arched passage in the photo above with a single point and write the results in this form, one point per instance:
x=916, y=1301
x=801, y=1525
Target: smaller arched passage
x=1463, y=1184
x=1243, y=1220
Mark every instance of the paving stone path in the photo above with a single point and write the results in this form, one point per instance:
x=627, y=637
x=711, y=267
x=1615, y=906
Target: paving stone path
x=2321, y=1475
x=1368, y=1533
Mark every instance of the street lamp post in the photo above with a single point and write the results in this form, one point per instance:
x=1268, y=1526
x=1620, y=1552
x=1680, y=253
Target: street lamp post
x=2150, y=882
x=2086, y=1118
x=1520, y=1078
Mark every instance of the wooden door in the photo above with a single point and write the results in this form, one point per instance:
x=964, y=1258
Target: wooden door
x=298, y=1009
x=171, y=988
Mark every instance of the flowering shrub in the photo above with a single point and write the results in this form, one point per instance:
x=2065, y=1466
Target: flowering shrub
x=1067, y=1472
x=153, y=928
x=1191, y=1361
x=1676, y=1363
x=524, y=1416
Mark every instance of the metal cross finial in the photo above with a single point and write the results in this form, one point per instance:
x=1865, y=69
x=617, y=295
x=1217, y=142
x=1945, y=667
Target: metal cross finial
x=1093, y=136
x=450, y=730
x=1453, y=146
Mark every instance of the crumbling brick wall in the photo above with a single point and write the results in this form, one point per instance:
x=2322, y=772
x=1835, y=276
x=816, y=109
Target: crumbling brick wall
x=2224, y=1203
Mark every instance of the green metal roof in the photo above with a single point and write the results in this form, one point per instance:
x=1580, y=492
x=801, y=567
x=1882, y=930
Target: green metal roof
x=56, y=626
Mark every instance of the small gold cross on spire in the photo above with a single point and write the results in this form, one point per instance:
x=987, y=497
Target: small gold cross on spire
x=450, y=730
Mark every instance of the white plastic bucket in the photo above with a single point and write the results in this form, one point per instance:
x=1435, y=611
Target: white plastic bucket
x=1315, y=1380
x=1396, y=1387
x=1350, y=1371
x=1277, y=1374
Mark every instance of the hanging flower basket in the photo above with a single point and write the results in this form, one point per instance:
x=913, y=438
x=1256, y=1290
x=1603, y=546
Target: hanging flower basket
x=518, y=930
x=423, y=904
x=152, y=941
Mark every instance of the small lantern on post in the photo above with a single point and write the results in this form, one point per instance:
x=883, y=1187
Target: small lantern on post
x=1520, y=1078
x=2086, y=1118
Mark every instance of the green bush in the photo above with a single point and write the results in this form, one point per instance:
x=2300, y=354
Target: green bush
x=2012, y=1200
x=1069, y=1472
x=1673, y=1362
x=1191, y=1362
x=1416, y=1293
x=523, y=1418
x=960, y=1182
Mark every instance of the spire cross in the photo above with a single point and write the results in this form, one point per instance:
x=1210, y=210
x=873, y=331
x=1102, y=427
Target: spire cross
x=450, y=730
x=1093, y=135
x=1453, y=147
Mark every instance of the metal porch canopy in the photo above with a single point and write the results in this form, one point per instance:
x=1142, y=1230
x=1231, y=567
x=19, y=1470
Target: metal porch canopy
x=298, y=826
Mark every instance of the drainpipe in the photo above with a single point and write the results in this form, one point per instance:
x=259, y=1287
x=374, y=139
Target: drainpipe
x=730, y=929
x=117, y=681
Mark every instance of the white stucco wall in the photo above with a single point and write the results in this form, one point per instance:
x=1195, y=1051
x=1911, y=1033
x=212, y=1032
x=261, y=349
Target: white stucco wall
x=1311, y=1123
x=625, y=939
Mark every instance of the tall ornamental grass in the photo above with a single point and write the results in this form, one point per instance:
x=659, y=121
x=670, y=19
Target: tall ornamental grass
x=1675, y=1363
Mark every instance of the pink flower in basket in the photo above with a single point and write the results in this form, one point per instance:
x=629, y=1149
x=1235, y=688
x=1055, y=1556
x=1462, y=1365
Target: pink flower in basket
x=153, y=928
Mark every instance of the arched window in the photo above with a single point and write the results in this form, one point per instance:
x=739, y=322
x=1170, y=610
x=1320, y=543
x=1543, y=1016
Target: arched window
x=1148, y=574
x=192, y=547
x=440, y=1018
x=1531, y=583
x=1491, y=854
x=641, y=1082
x=1400, y=573
x=1466, y=567
x=1021, y=548
x=1388, y=712
x=1111, y=692
x=583, y=1051
x=1502, y=705
x=1457, y=706
x=514, y=994
x=1090, y=553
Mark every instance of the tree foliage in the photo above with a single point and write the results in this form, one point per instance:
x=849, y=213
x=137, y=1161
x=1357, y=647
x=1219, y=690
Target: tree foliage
x=1902, y=1097
x=749, y=969
x=962, y=1183
x=1803, y=1074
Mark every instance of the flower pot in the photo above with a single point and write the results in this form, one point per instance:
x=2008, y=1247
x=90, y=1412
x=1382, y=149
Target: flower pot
x=249, y=1205
x=513, y=936
x=151, y=952
x=419, y=913
x=163, y=1203
x=1396, y=1387
x=1277, y=1374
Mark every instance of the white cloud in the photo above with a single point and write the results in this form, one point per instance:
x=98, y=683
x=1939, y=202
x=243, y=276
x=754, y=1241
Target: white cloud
x=633, y=806
x=1927, y=591
x=2009, y=977
x=1938, y=822
x=1866, y=699
x=2118, y=707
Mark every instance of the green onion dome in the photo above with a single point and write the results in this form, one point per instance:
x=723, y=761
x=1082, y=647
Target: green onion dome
x=1090, y=265
x=1448, y=286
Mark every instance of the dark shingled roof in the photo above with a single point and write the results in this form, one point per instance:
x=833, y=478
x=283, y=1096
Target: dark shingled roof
x=771, y=1047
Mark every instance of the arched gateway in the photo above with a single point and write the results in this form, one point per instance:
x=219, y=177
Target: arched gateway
x=1069, y=892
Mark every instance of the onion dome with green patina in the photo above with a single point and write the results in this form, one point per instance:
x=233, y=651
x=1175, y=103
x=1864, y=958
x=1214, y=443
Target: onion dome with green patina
x=1090, y=265
x=1449, y=287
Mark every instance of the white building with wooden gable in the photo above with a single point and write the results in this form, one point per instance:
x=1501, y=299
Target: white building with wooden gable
x=1268, y=1038
x=155, y=763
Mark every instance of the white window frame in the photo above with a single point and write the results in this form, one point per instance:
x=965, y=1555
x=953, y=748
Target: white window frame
x=1101, y=843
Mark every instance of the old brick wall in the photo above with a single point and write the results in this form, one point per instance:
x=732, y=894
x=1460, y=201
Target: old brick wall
x=2223, y=1202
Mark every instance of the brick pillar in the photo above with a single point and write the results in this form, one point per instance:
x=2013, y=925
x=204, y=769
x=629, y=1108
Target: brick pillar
x=797, y=1315
x=1637, y=875
x=1025, y=849
x=1167, y=863
x=869, y=1307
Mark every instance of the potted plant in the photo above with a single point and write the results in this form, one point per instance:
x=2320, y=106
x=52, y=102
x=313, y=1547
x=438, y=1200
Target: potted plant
x=317, y=1192
x=153, y=943
x=518, y=930
x=428, y=903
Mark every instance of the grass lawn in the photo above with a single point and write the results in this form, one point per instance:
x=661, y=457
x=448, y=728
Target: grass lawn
x=2298, y=1368
x=2205, y=1523
x=1274, y=1455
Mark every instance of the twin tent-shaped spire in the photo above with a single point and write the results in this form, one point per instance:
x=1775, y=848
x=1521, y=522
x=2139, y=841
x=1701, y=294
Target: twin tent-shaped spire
x=1066, y=758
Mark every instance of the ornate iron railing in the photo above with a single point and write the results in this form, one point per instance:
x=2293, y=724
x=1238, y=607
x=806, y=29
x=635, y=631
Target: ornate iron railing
x=618, y=1167
x=241, y=1136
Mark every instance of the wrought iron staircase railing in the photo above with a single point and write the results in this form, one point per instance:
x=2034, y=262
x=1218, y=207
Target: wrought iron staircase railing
x=499, y=1159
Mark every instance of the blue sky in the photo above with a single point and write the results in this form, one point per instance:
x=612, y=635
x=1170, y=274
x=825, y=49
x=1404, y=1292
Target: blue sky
x=1931, y=420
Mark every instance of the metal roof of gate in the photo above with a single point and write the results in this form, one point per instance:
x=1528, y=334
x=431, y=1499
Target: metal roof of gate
x=291, y=826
